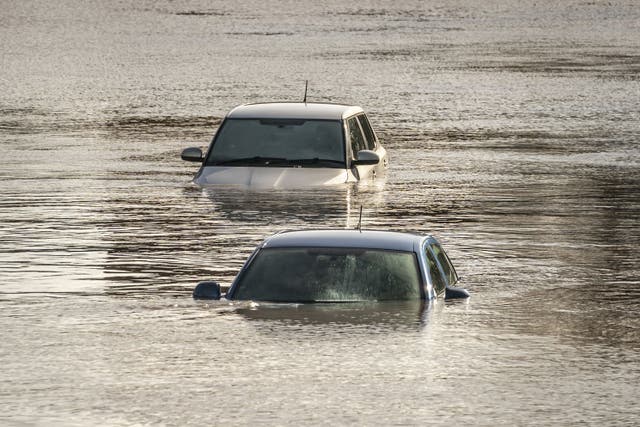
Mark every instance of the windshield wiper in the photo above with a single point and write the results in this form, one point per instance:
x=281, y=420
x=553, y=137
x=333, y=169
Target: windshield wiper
x=252, y=160
x=266, y=161
x=315, y=160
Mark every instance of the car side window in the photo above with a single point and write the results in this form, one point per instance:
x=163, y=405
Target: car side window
x=443, y=259
x=368, y=132
x=355, y=136
x=437, y=280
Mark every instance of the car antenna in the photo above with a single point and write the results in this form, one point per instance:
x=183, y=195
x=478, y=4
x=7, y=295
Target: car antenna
x=306, y=84
x=360, y=220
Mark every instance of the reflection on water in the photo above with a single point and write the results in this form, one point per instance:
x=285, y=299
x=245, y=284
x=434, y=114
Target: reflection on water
x=286, y=207
x=512, y=131
x=390, y=315
x=214, y=232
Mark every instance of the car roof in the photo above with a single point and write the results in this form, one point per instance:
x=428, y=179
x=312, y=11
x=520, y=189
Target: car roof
x=294, y=110
x=369, y=239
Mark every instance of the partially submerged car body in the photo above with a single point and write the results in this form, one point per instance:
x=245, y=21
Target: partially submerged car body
x=286, y=145
x=342, y=266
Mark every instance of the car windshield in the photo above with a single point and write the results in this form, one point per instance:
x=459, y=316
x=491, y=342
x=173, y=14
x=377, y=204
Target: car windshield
x=329, y=275
x=279, y=142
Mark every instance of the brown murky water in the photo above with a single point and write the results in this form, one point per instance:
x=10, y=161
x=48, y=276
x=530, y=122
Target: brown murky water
x=513, y=132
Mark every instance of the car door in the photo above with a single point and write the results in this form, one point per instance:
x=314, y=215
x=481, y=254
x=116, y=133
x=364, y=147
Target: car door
x=435, y=273
x=363, y=140
x=371, y=142
x=450, y=275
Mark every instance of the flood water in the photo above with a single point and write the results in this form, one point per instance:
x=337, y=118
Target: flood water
x=513, y=135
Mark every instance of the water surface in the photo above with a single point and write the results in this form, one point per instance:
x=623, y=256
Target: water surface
x=513, y=134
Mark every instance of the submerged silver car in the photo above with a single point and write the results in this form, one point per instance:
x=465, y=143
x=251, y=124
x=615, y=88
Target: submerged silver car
x=342, y=266
x=291, y=144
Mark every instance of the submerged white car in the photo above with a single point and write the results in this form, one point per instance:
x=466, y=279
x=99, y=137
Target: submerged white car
x=291, y=144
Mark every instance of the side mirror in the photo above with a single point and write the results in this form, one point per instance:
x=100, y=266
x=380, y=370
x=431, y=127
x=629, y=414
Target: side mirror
x=451, y=292
x=207, y=290
x=192, y=154
x=366, y=157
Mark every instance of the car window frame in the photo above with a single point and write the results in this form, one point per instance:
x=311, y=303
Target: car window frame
x=371, y=143
x=425, y=245
x=426, y=249
x=348, y=135
x=209, y=153
x=238, y=279
x=449, y=263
